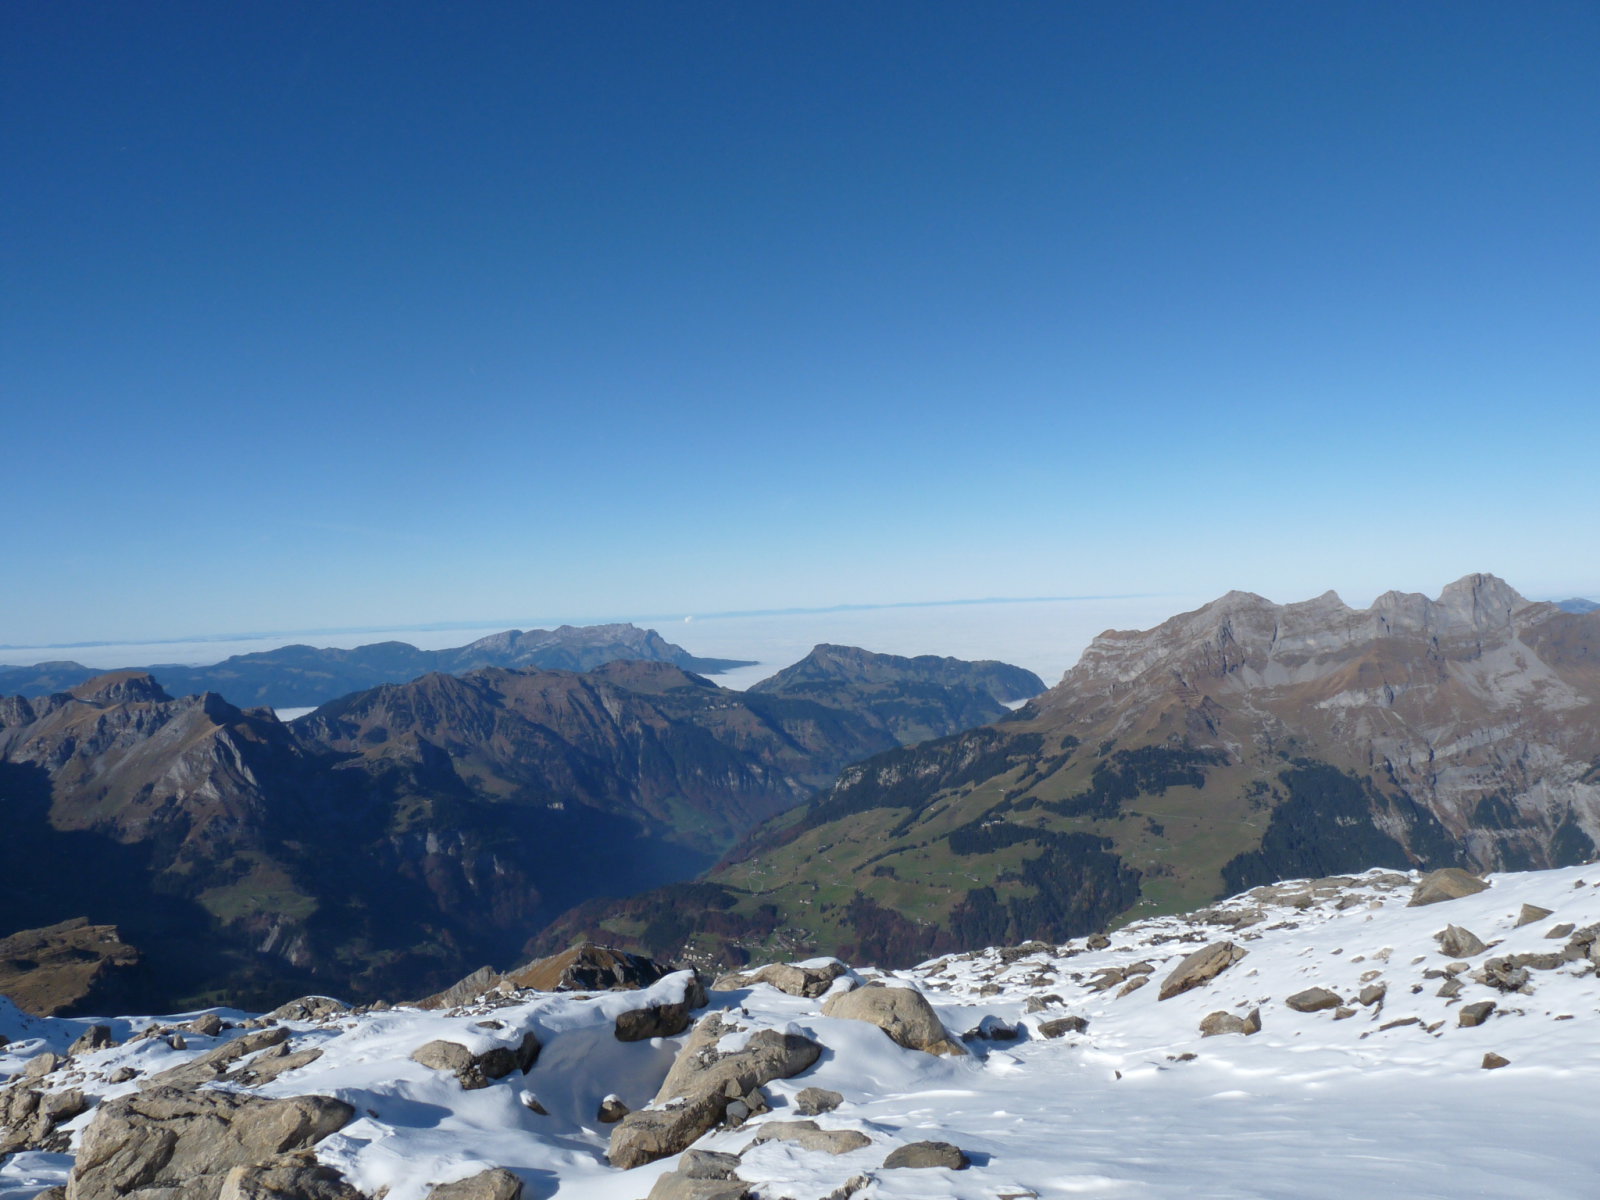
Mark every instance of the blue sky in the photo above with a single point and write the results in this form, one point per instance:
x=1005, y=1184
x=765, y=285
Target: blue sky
x=352, y=314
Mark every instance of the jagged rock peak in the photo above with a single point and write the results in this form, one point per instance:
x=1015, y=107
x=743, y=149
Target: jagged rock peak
x=120, y=687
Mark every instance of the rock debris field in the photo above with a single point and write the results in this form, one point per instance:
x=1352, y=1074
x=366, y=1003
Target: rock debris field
x=1375, y=1035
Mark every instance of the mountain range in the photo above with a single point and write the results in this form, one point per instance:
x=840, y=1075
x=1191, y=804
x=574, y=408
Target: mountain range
x=400, y=836
x=304, y=676
x=1240, y=743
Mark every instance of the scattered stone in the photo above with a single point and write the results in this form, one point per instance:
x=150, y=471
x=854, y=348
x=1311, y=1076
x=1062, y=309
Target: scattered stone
x=205, y=1025
x=1218, y=1023
x=1062, y=1026
x=1372, y=994
x=927, y=1154
x=1456, y=942
x=1560, y=931
x=188, y=1141
x=1451, y=883
x=1133, y=985
x=96, y=1037
x=807, y=981
x=176, y=1041
x=676, y=1186
x=611, y=1110
x=902, y=1013
x=1343, y=1013
x=1400, y=1022
x=285, y=1181
x=1492, y=1061
x=1531, y=913
x=1476, y=1014
x=1503, y=974
x=1098, y=941
x=808, y=1136
x=1201, y=967
x=1040, y=1003
x=308, y=1008
x=814, y=1101
x=497, y=1183
x=1449, y=989
x=122, y=1075
x=477, y=1070
x=662, y=1020
x=992, y=1029
x=1314, y=999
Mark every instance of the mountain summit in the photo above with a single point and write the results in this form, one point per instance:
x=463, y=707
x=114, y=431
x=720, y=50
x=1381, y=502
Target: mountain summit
x=1239, y=743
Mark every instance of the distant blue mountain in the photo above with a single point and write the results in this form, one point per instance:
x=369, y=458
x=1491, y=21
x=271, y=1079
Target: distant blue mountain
x=305, y=676
x=1578, y=605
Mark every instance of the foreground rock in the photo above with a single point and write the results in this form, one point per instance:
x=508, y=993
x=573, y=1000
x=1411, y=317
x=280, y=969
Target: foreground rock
x=902, y=1013
x=189, y=1141
x=702, y=1084
x=1201, y=967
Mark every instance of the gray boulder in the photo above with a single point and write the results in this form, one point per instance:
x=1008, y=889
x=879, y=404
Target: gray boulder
x=1451, y=883
x=1063, y=1025
x=927, y=1154
x=1214, y=1024
x=477, y=1070
x=96, y=1037
x=661, y=1020
x=1529, y=913
x=902, y=1013
x=308, y=1008
x=288, y=1180
x=497, y=1183
x=1314, y=1000
x=1201, y=967
x=792, y=978
x=174, y=1138
x=1456, y=942
x=814, y=1101
x=1476, y=1014
x=1493, y=1061
x=809, y=1136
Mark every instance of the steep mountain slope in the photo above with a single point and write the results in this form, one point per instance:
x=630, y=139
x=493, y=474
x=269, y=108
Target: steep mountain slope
x=1242, y=742
x=398, y=837
x=302, y=676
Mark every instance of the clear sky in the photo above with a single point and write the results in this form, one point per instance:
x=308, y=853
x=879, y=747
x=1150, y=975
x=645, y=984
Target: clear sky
x=322, y=314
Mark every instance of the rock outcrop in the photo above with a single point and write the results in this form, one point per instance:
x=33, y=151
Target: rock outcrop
x=189, y=1141
x=1199, y=968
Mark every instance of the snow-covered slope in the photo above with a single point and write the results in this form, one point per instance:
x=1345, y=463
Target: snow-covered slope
x=1389, y=1098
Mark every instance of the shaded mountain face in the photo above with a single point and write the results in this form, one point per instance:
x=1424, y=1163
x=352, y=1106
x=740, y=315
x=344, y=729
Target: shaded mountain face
x=305, y=676
x=397, y=838
x=1243, y=742
x=918, y=698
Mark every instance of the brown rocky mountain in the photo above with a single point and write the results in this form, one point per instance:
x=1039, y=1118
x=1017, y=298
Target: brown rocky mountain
x=400, y=836
x=1238, y=744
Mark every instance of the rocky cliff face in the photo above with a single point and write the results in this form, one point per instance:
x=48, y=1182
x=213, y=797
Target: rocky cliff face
x=1242, y=742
